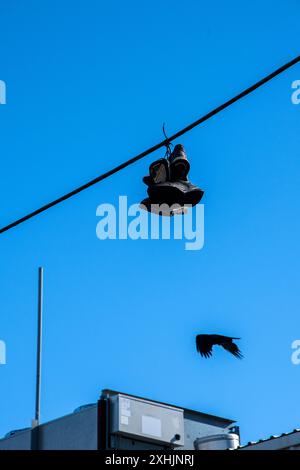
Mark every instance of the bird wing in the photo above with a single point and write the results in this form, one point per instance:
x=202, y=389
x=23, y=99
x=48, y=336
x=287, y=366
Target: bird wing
x=204, y=345
x=232, y=348
x=220, y=339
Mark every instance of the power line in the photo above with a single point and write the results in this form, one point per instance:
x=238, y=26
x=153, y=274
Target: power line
x=152, y=149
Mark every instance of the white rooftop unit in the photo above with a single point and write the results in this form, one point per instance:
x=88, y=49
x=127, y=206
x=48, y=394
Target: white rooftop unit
x=222, y=441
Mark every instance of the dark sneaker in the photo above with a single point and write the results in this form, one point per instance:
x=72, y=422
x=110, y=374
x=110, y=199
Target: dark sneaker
x=179, y=164
x=175, y=192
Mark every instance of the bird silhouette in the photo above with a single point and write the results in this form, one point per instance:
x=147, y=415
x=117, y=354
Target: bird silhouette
x=205, y=343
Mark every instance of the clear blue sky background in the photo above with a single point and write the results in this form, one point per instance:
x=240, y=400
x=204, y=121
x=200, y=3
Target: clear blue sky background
x=89, y=84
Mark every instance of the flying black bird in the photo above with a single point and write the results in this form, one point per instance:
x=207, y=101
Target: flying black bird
x=205, y=343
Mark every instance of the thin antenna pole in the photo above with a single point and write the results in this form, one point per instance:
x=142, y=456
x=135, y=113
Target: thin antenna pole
x=39, y=349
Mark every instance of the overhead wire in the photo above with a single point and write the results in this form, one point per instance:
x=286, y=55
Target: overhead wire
x=166, y=142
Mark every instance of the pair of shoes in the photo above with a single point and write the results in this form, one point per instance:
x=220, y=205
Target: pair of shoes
x=175, y=168
x=168, y=184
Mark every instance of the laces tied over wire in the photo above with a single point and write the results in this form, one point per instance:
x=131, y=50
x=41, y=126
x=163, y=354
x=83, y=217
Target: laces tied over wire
x=168, y=144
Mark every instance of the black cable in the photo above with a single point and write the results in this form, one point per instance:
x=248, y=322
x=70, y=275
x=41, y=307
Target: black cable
x=154, y=148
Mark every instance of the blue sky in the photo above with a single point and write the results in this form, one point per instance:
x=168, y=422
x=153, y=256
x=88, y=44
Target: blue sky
x=89, y=85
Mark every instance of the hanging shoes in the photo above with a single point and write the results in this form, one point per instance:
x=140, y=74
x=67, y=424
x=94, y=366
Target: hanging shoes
x=168, y=184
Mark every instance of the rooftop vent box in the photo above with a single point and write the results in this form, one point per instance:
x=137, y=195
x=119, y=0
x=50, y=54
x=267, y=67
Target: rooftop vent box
x=147, y=421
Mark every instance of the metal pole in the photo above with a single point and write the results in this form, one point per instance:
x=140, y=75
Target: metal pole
x=39, y=349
